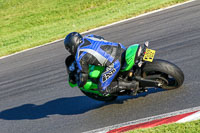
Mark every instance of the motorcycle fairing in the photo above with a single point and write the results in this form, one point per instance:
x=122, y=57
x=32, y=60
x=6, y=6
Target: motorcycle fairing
x=130, y=57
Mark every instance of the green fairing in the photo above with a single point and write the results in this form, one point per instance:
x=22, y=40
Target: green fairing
x=94, y=72
x=130, y=56
x=88, y=85
x=72, y=85
x=91, y=87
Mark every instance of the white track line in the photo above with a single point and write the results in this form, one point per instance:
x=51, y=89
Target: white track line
x=145, y=14
x=143, y=120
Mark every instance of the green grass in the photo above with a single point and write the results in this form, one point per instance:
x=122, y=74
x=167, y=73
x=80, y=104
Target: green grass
x=189, y=127
x=28, y=23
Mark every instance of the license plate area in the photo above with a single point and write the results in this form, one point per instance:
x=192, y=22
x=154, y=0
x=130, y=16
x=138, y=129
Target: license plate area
x=149, y=55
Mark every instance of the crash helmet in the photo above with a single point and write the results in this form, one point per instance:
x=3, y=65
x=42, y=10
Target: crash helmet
x=72, y=41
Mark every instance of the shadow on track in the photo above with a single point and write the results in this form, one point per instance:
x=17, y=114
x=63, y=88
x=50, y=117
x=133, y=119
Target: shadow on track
x=62, y=106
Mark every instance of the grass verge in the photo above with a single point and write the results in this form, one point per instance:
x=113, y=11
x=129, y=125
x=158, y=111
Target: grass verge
x=29, y=23
x=189, y=127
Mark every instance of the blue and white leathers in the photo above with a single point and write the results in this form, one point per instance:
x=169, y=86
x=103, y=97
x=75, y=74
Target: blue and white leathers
x=94, y=50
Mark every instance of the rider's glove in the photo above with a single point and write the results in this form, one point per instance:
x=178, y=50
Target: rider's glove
x=72, y=73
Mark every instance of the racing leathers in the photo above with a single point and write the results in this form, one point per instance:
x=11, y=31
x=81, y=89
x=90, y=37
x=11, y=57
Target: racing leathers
x=94, y=50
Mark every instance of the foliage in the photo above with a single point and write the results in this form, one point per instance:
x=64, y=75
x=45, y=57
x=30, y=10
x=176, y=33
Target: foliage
x=28, y=23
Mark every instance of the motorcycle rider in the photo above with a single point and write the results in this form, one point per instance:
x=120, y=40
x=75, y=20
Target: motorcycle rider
x=95, y=50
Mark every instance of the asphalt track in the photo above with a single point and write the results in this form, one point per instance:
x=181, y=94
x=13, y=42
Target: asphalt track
x=35, y=97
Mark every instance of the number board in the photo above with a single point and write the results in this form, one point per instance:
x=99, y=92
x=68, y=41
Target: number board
x=149, y=55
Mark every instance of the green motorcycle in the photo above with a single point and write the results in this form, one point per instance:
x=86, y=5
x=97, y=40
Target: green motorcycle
x=140, y=66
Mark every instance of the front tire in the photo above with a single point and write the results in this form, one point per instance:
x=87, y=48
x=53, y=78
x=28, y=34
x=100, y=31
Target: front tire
x=171, y=77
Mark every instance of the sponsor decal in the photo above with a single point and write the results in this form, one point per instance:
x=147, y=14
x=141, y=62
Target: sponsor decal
x=108, y=74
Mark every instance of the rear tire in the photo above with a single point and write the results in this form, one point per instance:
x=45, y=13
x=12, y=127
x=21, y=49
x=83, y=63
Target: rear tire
x=172, y=76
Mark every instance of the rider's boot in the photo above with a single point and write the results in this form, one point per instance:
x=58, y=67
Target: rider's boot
x=128, y=85
x=117, y=86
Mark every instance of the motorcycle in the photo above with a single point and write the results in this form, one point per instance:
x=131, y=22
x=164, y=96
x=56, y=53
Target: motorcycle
x=139, y=66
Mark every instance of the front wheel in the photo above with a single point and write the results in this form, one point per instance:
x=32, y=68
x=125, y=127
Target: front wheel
x=99, y=98
x=171, y=76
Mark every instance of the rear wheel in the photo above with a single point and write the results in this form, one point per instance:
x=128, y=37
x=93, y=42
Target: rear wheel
x=170, y=75
x=99, y=98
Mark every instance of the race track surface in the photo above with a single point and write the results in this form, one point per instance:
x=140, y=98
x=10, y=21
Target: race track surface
x=35, y=97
